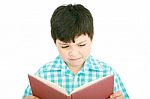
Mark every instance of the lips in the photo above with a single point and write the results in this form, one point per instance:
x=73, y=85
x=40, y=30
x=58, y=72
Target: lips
x=74, y=58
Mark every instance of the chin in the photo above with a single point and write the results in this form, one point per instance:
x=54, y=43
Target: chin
x=77, y=64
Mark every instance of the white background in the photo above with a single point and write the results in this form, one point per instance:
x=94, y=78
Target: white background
x=121, y=39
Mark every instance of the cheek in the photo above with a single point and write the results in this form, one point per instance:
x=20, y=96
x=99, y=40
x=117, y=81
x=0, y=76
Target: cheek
x=86, y=51
x=63, y=54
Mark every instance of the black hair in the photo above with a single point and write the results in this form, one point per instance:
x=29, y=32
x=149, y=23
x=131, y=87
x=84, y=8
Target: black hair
x=70, y=21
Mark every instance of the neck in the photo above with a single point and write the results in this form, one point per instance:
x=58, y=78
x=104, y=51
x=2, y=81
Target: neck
x=75, y=69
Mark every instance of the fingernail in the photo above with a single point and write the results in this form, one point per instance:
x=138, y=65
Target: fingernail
x=111, y=96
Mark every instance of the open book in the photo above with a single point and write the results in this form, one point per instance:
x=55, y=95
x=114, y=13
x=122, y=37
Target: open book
x=100, y=88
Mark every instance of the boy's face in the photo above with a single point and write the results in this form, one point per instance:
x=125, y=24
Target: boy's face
x=75, y=54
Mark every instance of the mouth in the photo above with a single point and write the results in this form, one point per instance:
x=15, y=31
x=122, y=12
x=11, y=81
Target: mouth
x=73, y=59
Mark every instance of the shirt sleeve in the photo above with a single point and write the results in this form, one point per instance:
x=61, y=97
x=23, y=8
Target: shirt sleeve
x=118, y=85
x=27, y=92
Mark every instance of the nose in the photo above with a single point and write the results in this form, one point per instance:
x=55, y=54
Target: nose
x=73, y=52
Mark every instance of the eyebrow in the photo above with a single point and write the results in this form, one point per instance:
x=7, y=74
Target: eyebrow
x=82, y=42
x=61, y=43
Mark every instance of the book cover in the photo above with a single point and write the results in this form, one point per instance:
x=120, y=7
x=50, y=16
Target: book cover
x=100, y=88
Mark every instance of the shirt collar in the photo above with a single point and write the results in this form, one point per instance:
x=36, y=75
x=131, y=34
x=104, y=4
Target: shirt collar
x=90, y=64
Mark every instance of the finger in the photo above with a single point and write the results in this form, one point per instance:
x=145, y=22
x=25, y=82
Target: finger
x=120, y=97
x=31, y=97
x=36, y=97
x=116, y=94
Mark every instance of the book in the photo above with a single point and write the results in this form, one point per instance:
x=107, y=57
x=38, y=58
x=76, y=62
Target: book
x=100, y=88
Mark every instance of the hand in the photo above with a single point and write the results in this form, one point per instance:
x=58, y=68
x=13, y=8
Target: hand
x=117, y=95
x=31, y=97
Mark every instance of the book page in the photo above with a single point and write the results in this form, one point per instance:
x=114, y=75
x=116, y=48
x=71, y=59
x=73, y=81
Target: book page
x=90, y=83
x=50, y=84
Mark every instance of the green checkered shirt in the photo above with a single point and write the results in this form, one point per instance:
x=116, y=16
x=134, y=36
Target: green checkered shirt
x=58, y=72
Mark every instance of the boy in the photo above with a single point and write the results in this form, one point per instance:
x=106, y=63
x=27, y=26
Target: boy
x=72, y=32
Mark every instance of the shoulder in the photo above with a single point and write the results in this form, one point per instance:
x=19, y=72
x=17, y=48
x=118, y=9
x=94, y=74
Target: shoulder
x=102, y=66
x=50, y=66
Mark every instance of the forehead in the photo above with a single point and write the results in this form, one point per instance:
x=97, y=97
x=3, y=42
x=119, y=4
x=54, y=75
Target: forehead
x=77, y=39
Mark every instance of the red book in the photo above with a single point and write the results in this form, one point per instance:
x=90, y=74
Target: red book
x=100, y=88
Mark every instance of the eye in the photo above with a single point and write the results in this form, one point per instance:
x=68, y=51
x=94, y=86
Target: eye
x=64, y=46
x=81, y=45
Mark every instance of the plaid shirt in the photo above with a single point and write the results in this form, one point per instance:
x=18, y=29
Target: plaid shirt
x=59, y=73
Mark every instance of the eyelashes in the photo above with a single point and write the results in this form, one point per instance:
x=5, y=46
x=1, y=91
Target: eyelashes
x=64, y=46
x=80, y=45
